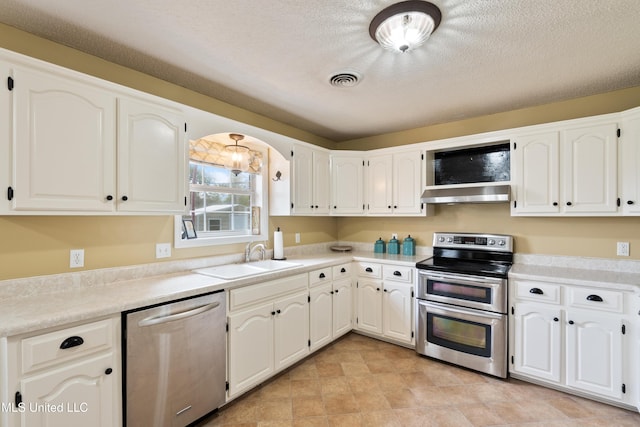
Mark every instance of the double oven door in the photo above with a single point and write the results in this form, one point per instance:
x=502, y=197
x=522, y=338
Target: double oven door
x=462, y=320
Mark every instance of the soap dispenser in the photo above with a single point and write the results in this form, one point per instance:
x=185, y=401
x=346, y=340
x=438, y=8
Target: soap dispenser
x=379, y=246
x=409, y=246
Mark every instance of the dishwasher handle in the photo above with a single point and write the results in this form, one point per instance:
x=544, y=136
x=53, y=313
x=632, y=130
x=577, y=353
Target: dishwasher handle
x=150, y=321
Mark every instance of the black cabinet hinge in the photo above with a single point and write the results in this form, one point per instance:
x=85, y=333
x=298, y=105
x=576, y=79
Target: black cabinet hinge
x=291, y=153
x=412, y=334
x=308, y=298
x=10, y=83
x=291, y=205
x=357, y=320
x=18, y=399
x=185, y=126
x=618, y=202
x=513, y=310
x=619, y=132
x=512, y=361
x=226, y=385
x=10, y=193
x=185, y=200
x=624, y=329
x=309, y=343
x=226, y=326
x=624, y=388
x=412, y=294
x=515, y=145
x=422, y=156
x=363, y=163
x=515, y=203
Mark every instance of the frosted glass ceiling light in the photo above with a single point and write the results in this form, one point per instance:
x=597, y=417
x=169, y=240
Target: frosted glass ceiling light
x=404, y=26
x=239, y=155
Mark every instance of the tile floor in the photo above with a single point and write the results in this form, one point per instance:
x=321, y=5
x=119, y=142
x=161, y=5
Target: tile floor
x=359, y=381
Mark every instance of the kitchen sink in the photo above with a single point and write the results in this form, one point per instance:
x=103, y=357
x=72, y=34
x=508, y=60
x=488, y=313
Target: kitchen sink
x=236, y=271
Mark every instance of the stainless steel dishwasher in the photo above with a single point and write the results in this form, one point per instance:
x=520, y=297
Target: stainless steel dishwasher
x=175, y=361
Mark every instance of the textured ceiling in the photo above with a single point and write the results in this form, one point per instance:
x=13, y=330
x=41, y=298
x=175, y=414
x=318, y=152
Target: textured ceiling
x=275, y=57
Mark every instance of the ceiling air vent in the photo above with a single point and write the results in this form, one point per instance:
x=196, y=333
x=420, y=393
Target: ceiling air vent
x=345, y=79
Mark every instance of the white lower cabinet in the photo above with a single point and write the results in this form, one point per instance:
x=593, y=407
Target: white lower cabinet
x=330, y=305
x=266, y=334
x=385, y=305
x=574, y=338
x=67, y=377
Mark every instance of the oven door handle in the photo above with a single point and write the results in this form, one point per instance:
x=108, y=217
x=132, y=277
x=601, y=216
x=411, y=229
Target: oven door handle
x=446, y=308
x=463, y=280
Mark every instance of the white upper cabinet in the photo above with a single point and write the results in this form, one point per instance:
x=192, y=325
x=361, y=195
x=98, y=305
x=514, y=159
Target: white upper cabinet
x=151, y=158
x=537, y=167
x=80, y=145
x=311, y=180
x=64, y=144
x=394, y=183
x=590, y=169
x=5, y=138
x=630, y=162
x=347, y=184
x=568, y=171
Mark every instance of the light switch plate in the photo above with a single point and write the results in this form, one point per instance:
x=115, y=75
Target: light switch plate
x=163, y=250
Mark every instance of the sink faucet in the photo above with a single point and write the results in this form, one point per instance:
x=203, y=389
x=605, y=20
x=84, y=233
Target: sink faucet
x=248, y=251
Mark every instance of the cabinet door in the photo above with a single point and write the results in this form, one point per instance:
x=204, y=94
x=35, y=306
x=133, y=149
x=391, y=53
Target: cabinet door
x=538, y=341
x=64, y=144
x=379, y=185
x=594, y=353
x=347, y=195
x=250, y=347
x=630, y=164
x=151, y=158
x=536, y=173
x=5, y=140
x=342, y=303
x=396, y=311
x=302, y=164
x=291, y=329
x=78, y=394
x=320, y=316
x=407, y=182
x=321, y=182
x=369, y=305
x=590, y=169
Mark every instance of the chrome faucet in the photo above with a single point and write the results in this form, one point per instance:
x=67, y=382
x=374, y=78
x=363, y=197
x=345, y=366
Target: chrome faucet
x=248, y=251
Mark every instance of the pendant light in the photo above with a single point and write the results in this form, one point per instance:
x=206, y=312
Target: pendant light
x=404, y=26
x=238, y=155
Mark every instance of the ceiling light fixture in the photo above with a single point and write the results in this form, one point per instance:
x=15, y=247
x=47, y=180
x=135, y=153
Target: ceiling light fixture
x=404, y=26
x=239, y=155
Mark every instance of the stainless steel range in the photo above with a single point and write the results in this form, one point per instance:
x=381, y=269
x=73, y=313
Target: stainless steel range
x=461, y=303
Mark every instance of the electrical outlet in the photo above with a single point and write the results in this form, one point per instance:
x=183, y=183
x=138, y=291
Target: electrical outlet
x=623, y=249
x=163, y=250
x=76, y=258
x=297, y=237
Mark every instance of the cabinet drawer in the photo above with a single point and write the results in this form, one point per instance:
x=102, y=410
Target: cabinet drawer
x=538, y=291
x=67, y=344
x=342, y=271
x=322, y=275
x=398, y=274
x=595, y=299
x=265, y=291
x=366, y=269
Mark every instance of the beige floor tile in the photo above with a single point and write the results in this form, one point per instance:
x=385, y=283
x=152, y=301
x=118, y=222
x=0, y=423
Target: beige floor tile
x=359, y=381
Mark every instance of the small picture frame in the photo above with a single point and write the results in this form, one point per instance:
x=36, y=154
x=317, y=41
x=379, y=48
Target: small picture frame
x=189, y=229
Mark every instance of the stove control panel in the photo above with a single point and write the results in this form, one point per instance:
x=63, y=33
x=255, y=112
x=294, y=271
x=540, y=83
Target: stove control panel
x=489, y=242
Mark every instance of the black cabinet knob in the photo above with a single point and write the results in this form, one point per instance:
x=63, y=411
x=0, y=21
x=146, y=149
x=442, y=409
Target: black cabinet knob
x=278, y=311
x=536, y=291
x=369, y=270
x=337, y=290
x=109, y=197
x=273, y=313
x=377, y=289
x=395, y=207
x=397, y=273
x=629, y=202
x=571, y=322
x=569, y=203
x=335, y=207
x=389, y=207
x=322, y=276
x=385, y=290
x=125, y=198
x=316, y=206
x=555, y=203
x=108, y=371
x=555, y=319
x=596, y=298
x=343, y=270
